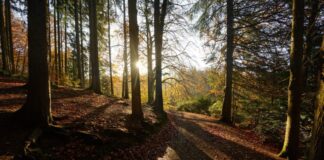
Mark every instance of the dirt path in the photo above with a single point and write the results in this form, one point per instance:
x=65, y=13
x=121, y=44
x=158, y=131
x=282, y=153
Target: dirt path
x=200, y=137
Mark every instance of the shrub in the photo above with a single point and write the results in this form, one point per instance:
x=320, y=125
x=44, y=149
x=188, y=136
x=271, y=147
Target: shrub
x=199, y=105
x=215, y=109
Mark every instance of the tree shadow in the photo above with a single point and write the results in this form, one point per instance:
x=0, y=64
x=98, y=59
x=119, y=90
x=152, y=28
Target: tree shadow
x=221, y=147
x=11, y=102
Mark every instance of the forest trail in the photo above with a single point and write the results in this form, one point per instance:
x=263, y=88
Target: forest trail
x=202, y=137
x=187, y=136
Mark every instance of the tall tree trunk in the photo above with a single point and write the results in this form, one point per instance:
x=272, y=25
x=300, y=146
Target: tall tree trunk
x=95, y=79
x=227, y=103
x=65, y=39
x=55, y=44
x=316, y=151
x=137, y=112
x=109, y=46
x=49, y=46
x=290, y=146
x=158, y=34
x=77, y=40
x=81, y=46
x=149, y=47
x=59, y=40
x=9, y=36
x=125, y=93
x=4, y=51
x=37, y=109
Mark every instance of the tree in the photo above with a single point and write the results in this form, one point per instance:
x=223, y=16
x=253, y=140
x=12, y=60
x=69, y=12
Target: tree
x=137, y=113
x=77, y=40
x=95, y=77
x=9, y=36
x=109, y=46
x=125, y=57
x=149, y=47
x=227, y=103
x=316, y=151
x=290, y=146
x=159, y=17
x=4, y=51
x=37, y=109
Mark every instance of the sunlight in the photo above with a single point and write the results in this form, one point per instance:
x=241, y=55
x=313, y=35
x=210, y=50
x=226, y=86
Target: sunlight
x=141, y=67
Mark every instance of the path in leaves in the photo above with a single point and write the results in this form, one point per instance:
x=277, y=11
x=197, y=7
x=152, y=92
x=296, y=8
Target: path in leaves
x=200, y=137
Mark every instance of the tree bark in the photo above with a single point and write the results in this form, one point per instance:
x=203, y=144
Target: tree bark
x=149, y=47
x=4, y=51
x=227, y=103
x=95, y=78
x=37, y=109
x=158, y=34
x=55, y=43
x=81, y=46
x=9, y=36
x=316, y=151
x=59, y=40
x=77, y=40
x=291, y=143
x=109, y=46
x=137, y=112
x=125, y=93
x=65, y=40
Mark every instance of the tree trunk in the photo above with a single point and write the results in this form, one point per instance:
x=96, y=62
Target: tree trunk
x=65, y=39
x=55, y=43
x=95, y=79
x=59, y=40
x=9, y=36
x=137, y=112
x=149, y=47
x=125, y=93
x=37, y=109
x=49, y=46
x=81, y=46
x=317, y=141
x=109, y=45
x=290, y=146
x=227, y=103
x=4, y=51
x=77, y=40
x=158, y=34
x=310, y=33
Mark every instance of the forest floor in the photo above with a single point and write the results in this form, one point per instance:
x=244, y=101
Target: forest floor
x=102, y=131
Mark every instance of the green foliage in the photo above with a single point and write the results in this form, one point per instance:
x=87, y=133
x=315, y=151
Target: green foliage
x=216, y=108
x=198, y=105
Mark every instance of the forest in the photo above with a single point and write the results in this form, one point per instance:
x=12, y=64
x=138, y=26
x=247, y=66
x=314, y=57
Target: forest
x=162, y=79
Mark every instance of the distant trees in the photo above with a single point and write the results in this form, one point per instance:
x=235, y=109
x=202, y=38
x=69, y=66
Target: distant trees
x=137, y=113
x=37, y=109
